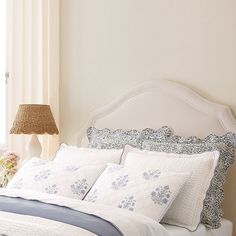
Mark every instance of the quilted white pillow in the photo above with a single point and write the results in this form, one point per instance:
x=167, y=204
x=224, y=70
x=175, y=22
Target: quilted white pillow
x=45, y=176
x=86, y=156
x=149, y=192
x=187, y=207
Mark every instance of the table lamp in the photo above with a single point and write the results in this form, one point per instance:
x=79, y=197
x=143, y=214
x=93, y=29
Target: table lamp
x=34, y=119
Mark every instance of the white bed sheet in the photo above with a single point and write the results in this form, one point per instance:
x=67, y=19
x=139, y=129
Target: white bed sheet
x=225, y=230
x=128, y=222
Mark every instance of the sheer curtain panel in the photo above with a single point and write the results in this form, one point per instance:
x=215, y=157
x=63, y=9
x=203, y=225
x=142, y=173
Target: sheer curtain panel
x=33, y=64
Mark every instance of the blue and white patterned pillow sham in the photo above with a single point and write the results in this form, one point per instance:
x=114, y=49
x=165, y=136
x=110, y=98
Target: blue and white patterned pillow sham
x=225, y=144
x=149, y=192
x=52, y=178
x=117, y=139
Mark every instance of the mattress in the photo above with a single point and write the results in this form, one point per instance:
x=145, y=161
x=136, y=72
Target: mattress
x=226, y=229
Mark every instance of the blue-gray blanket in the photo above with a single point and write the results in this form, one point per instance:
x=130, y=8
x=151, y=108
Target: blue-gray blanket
x=66, y=215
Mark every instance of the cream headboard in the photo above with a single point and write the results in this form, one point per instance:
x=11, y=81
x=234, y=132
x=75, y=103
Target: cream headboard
x=161, y=102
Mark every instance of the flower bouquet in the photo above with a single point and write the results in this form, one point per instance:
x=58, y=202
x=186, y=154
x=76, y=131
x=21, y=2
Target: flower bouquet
x=8, y=167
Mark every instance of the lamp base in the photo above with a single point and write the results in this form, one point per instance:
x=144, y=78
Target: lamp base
x=34, y=147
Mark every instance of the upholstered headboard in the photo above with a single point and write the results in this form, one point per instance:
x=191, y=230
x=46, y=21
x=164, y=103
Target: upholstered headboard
x=161, y=102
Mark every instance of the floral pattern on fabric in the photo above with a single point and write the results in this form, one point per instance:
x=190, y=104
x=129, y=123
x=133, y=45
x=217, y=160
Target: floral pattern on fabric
x=80, y=187
x=151, y=174
x=92, y=196
x=113, y=168
x=42, y=175
x=161, y=195
x=51, y=189
x=117, y=139
x=126, y=189
x=66, y=180
x=159, y=135
x=120, y=182
x=225, y=144
x=128, y=203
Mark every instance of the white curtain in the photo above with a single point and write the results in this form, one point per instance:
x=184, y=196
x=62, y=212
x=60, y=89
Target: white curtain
x=33, y=64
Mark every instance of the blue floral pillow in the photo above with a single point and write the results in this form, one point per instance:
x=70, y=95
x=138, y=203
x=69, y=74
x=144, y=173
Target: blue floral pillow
x=117, y=139
x=53, y=178
x=149, y=192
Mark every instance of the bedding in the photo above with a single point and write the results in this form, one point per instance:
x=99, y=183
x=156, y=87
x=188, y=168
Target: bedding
x=72, y=155
x=187, y=207
x=47, y=176
x=117, y=139
x=58, y=213
x=24, y=225
x=226, y=229
x=149, y=192
x=118, y=221
x=225, y=144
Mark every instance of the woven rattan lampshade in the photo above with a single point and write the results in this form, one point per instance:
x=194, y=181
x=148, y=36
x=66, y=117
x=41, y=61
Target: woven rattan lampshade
x=34, y=119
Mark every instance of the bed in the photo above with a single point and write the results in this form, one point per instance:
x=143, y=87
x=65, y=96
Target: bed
x=195, y=116
x=156, y=100
x=225, y=229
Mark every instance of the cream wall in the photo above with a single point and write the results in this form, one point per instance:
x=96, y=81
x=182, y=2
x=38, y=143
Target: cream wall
x=108, y=46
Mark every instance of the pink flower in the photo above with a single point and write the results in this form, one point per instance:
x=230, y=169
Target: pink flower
x=9, y=160
x=8, y=167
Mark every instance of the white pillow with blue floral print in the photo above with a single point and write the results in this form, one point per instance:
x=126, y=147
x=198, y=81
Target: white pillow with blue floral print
x=149, y=192
x=52, y=178
x=187, y=207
